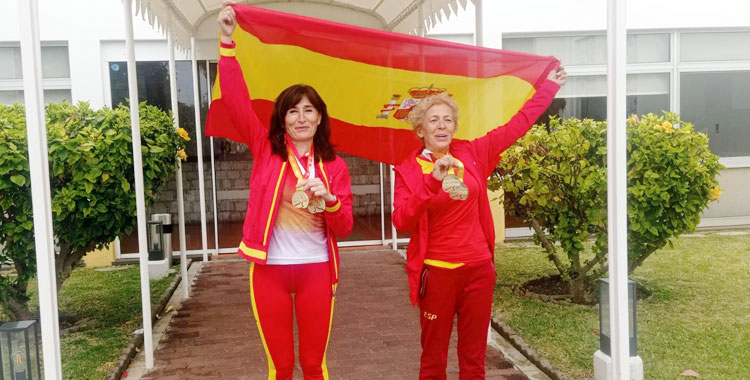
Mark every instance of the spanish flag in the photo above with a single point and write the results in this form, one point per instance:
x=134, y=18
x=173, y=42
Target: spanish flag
x=371, y=79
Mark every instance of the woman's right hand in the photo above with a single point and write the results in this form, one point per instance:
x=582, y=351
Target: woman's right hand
x=442, y=166
x=227, y=21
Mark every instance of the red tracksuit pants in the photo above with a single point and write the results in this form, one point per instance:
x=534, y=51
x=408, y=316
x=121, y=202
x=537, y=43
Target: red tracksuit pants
x=278, y=293
x=465, y=291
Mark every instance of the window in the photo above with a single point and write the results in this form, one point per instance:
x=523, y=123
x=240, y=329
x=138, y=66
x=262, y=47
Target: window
x=153, y=83
x=10, y=63
x=647, y=93
x=592, y=49
x=55, y=74
x=648, y=48
x=717, y=103
x=153, y=88
x=586, y=96
x=571, y=50
x=724, y=46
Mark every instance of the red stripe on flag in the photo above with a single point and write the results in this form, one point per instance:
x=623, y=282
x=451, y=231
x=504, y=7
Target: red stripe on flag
x=380, y=144
x=387, y=145
x=388, y=49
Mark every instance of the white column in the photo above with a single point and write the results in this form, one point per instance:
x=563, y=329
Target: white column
x=617, y=189
x=393, y=227
x=420, y=20
x=178, y=180
x=479, y=41
x=478, y=25
x=199, y=143
x=382, y=206
x=140, y=202
x=213, y=167
x=40, y=190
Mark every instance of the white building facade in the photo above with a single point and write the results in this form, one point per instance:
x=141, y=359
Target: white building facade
x=685, y=56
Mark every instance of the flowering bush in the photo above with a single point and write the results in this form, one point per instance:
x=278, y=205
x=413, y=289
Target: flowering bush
x=557, y=181
x=91, y=177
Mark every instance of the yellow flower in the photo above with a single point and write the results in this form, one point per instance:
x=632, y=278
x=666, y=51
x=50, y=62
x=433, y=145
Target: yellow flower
x=181, y=153
x=633, y=119
x=183, y=133
x=714, y=194
x=105, y=177
x=665, y=126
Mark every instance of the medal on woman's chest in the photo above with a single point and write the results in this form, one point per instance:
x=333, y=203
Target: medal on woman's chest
x=454, y=185
x=316, y=205
x=300, y=198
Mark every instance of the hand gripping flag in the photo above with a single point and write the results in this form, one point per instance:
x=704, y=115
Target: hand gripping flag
x=371, y=79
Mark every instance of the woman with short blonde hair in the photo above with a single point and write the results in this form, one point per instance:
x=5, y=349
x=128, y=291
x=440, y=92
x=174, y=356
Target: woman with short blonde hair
x=419, y=112
x=441, y=197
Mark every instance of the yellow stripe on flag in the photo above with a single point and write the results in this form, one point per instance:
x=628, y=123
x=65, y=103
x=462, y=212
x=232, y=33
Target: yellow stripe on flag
x=356, y=92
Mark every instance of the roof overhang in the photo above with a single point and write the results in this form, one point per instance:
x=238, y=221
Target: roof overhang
x=196, y=18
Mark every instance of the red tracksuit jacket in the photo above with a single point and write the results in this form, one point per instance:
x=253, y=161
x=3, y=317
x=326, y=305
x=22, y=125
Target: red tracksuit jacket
x=267, y=178
x=480, y=157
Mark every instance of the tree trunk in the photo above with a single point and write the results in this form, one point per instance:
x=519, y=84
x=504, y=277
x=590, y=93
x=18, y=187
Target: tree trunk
x=66, y=261
x=578, y=290
x=576, y=282
x=549, y=247
x=17, y=303
x=19, y=309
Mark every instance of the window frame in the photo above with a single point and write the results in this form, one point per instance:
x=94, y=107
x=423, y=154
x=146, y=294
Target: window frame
x=674, y=67
x=47, y=83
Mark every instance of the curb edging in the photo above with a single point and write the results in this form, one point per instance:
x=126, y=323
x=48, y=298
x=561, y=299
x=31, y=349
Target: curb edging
x=529, y=352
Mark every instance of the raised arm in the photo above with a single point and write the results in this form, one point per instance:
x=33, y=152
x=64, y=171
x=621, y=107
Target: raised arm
x=244, y=126
x=495, y=142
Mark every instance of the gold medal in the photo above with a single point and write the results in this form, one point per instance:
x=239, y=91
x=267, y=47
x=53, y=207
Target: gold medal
x=300, y=199
x=449, y=182
x=460, y=192
x=316, y=205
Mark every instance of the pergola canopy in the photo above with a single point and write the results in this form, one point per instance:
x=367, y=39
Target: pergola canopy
x=186, y=18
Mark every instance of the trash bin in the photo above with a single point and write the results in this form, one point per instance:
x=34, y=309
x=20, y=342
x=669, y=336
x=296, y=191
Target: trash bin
x=166, y=226
x=159, y=246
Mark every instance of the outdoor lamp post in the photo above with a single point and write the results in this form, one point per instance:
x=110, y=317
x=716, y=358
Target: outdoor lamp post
x=604, y=329
x=155, y=237
x=19, y=348
x=602, y=359
x=158, y=253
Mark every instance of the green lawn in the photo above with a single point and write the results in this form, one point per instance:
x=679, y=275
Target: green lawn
x=697, y=318
x=111, y=300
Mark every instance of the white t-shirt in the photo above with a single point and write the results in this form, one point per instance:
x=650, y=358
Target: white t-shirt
x=298, y=236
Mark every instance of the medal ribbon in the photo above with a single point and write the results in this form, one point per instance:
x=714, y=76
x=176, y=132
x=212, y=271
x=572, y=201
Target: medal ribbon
x=294, y=161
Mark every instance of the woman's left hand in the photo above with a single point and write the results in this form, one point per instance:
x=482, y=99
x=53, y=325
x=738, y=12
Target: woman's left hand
x=317, y=188
x=559, y=76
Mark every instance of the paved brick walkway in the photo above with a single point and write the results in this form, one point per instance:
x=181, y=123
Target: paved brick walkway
x=375, y=329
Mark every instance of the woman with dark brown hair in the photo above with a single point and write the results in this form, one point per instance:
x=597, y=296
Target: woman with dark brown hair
x=300, y=202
